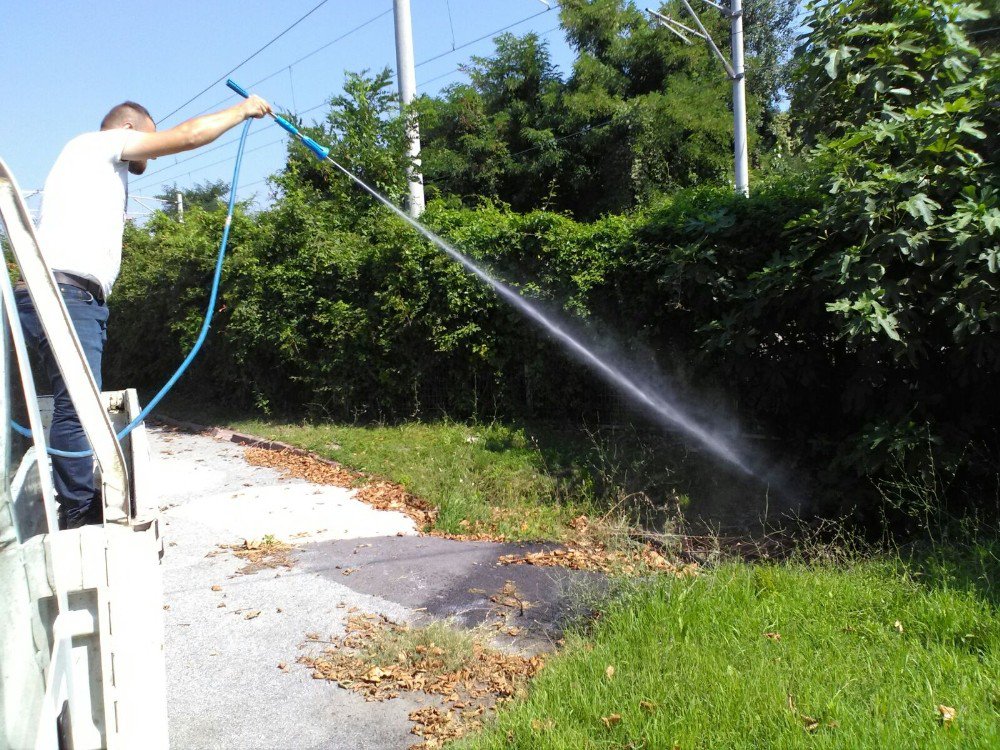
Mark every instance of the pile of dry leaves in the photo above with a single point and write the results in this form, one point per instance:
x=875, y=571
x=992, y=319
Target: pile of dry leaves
x=377, y=493
x=583, y=557
x=468, y=681
x=587, y=551
x=260, y=554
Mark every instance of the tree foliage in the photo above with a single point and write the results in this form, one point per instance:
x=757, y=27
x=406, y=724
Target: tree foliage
x=206, y=195
x=904, y=250
x=641, y=113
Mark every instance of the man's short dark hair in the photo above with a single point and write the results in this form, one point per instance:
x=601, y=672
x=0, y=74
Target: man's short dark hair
x=121, y=112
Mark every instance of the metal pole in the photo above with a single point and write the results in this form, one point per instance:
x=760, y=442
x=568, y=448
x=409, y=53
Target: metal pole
x=739, y=101
x=407, y=78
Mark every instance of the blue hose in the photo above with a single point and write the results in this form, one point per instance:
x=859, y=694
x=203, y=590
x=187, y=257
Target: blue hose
x=204, y=328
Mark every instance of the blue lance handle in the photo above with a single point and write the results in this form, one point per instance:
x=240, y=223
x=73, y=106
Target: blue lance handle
x=321, y=151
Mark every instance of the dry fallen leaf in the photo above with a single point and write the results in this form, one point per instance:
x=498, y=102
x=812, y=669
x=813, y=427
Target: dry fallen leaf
x=898, y=625
x=773, y=636
x=587, y=555
x=947, y=714
x=379, y=494
x=282, y=666
x=251, y=614
x=216, y=587
x=609, y=671
x=610, y=721
x=647, y=706
x=485, y=678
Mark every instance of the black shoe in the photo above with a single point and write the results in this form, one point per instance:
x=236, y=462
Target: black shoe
x=92, y=516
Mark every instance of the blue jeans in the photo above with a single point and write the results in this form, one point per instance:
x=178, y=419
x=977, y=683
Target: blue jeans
x=73, y=477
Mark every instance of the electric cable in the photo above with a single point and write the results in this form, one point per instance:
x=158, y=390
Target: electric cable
x=223, y=161
x=306, y=56
x=486, y=36
x=320, y=49
x=209, y=312
x=245, y=61
x=461, y=68
x=288, y=67
x=201, y=152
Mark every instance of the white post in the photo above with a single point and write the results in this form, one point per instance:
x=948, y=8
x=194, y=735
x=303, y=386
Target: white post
x=739, y=100
x=180, y=207
x=407, y=78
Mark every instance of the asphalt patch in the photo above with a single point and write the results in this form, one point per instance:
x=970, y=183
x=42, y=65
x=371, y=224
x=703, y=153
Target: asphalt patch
x=446, y=578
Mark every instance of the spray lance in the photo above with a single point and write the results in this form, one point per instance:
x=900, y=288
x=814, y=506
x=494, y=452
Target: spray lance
x=321, y=152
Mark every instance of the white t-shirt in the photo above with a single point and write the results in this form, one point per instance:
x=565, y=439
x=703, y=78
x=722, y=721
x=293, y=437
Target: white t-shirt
x=83, y=207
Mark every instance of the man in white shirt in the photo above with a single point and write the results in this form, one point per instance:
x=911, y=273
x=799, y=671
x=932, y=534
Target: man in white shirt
x=80, y=234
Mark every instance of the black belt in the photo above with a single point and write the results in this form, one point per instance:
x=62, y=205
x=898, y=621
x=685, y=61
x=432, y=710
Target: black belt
x=80, y=282
x=71, y=279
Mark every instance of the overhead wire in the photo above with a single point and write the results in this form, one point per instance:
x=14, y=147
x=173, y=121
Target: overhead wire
x=292, y=64
x=225, y=161
x=200, y=153
x=486, y=36
x=225, y=75
x=168, y=168
x=343, y=36
x=288, y=67
x=461, y=68
x=451, y=24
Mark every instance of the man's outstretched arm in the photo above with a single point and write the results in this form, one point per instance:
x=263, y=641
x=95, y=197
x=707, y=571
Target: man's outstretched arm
x=192, y=133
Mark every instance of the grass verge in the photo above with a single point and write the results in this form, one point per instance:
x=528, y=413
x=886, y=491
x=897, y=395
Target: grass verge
x=489, y=479
x=793, y=655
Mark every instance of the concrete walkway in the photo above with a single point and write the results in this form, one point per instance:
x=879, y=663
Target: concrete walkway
x=227, y=633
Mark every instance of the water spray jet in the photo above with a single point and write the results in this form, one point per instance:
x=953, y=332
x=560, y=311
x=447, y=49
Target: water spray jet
x=654, y=403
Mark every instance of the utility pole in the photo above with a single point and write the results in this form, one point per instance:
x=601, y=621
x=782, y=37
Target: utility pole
x=407, y=78
x=739, y=98
x=735, y=71
x=180, y=207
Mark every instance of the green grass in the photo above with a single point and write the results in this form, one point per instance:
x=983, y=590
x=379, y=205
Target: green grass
x=695, y=652
x=524, y=481
x=491, y=478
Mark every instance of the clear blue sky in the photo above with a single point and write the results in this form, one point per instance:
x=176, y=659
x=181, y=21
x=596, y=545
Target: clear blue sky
x=66, y=63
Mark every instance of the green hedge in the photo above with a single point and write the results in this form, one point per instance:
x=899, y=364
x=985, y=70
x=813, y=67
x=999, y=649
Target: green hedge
x=359, y=318
x=373, y=321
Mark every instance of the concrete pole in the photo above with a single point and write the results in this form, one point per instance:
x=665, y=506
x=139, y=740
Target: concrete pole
x=180, y=207
x=739, y=100
x=407, y=78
